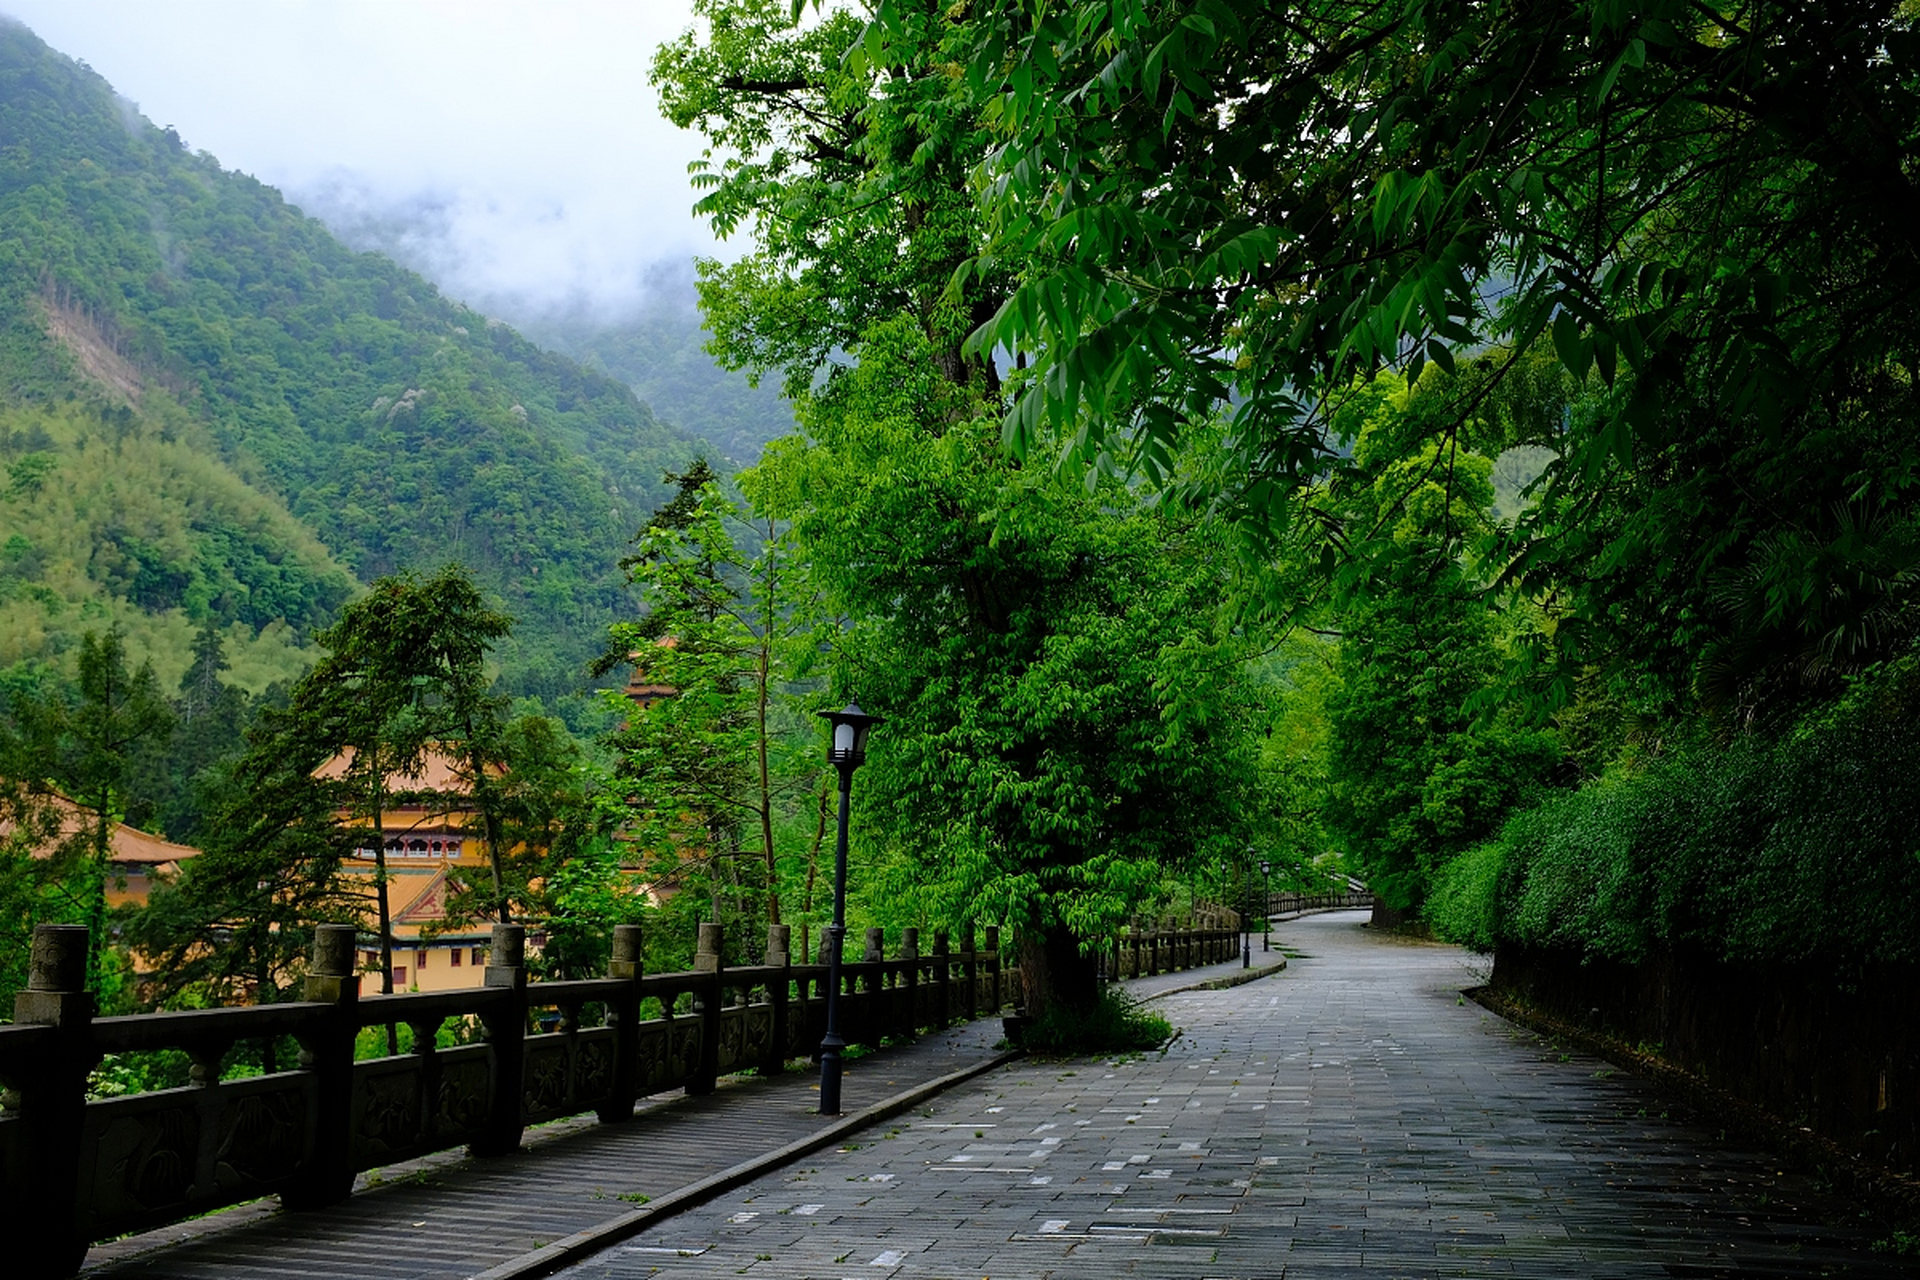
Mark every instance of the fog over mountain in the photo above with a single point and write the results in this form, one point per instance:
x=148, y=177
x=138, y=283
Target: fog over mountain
x=514, y=153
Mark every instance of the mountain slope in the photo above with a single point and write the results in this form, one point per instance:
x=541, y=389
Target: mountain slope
x=139, y=279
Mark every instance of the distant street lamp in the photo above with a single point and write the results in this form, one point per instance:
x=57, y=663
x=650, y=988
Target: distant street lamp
x=1246, y=921
x=848, y=752
x=1266, y=907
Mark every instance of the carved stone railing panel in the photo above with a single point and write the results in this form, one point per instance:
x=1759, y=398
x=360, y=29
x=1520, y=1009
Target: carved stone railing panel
x=388, y=1119
x=460, y=1104
x=155, y=1157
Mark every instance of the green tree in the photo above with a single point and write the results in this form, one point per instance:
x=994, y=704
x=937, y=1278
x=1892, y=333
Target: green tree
x=405, y=671
x=1414, y=775
x=716, y=763
x=1062, y=729
x=87, y=751
x=211, y=718
x=1697, y=216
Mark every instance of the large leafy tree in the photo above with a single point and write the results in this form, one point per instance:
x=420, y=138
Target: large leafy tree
x=1061, y=731
x=1068, y=726
x=1701, y=215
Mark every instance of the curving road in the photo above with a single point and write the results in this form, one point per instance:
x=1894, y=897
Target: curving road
x=1351, y=1116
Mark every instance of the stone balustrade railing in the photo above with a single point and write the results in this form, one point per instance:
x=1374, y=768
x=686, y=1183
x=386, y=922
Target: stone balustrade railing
x=1293, y=904
x=1212, y=937
x=74, y=1170
x=1144, y=948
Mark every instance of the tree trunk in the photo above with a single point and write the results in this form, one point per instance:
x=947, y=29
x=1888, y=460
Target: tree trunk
x=386, y=918
x=1054, y=972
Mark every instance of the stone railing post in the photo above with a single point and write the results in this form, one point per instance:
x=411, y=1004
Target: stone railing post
x=627, y=965
x=875, y=1008
x=326, y=1049
x=908, y=1001
x=505, y=1028
x=998, y=998
x=708, y=959
x=942, y=978
x=779, y=956
x=970, y=970
x=51, y=1099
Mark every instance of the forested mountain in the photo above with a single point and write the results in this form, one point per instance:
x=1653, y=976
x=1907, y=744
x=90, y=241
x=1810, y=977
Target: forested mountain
x=155, y=305
x=659, y=350
x=655, y=342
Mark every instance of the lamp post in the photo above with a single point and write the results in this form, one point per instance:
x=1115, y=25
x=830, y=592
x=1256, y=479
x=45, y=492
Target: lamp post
x=848, y=752
x=1266, y=907
x=1246, y=924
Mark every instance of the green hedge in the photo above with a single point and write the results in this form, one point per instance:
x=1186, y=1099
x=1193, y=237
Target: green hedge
x=1802, y=849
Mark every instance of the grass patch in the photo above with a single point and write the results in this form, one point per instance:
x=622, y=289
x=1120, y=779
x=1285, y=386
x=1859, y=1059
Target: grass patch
x=1116, y=1023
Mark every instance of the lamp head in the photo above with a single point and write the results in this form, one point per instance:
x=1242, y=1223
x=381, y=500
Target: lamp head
x=851, y=726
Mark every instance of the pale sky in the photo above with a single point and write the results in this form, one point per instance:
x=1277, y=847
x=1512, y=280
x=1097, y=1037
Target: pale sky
x=519, y=139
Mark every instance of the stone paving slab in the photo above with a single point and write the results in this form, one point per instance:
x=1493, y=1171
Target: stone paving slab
x=1351, y=1117
x=448, y=1217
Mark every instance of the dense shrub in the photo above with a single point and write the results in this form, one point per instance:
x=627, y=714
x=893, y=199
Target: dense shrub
x=1117, y=1023
x=1800, y=849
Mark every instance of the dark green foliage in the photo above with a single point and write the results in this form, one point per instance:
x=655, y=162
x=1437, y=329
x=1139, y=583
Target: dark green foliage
x=210, y=722
x=1115, y=1023
x=407, y=431
x=1796, y=850
x=1414, y=776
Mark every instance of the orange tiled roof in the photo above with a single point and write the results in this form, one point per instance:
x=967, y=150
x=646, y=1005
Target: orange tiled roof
x=438, y=772
x=127, y=844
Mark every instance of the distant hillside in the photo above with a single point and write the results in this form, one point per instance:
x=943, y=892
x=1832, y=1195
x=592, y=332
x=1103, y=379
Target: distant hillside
x=655, y=345
x=658, y=351
x=152, y=302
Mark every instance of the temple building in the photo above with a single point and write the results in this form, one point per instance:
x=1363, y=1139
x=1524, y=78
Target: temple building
x=135, y=859
x=429, y=843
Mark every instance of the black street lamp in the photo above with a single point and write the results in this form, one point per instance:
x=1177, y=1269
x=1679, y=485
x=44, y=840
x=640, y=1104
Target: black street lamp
x=848, y=752
x=1246, y=922
x=1266, y=907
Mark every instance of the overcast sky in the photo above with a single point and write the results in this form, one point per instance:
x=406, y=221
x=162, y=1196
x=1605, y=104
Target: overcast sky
x=514, y=145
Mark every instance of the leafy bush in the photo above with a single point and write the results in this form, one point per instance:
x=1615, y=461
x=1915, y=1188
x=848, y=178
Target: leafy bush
x=1117, y=1023
x=1799, y=849
x=1460, y=906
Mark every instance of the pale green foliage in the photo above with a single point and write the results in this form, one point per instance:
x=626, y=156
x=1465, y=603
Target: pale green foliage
x=114, y=521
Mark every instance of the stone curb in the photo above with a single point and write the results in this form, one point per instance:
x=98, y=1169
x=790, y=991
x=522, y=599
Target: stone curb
x=564, y=1252
x=1241, y=978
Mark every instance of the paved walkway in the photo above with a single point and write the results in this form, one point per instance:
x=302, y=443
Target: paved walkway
x=447, y=1217
x=1350, y=1117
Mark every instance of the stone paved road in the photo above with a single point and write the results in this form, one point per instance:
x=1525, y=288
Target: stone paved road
x=1350, y=1117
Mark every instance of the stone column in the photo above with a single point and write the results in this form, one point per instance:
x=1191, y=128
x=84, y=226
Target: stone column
x=942, y=978
x=995, y=986
x=51, y=1098
x=326, y=1049
x=627, y=965
x=504, y=1024
x=970, y=970
x=907, y=1002
x=708, y=959
x=779, y=1037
